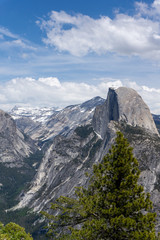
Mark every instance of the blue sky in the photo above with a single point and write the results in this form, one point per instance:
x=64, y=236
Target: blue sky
x=55, y=53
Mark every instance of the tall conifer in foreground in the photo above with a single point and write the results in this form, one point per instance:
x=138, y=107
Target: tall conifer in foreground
x=113, y=207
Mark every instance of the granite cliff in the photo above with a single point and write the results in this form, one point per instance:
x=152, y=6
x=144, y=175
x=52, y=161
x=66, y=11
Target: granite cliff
x=18, y=162
x=123, y=105
x=14, y=145
x=68, y=157
x=48, y=124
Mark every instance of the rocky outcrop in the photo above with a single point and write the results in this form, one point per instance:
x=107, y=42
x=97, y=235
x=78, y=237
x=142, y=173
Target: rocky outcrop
x=156, y=119
x=123, y=105
x=14, y=146
x=27, y=125
x=63, y=168
x=61, y=122
x=68, y=157
x=18, y=162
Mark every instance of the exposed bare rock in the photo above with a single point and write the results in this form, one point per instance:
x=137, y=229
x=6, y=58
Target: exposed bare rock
x=61, y=122
x=126, y=105
x=68, y=157
x=63, y=168
x=14, y=146
x=27, y=125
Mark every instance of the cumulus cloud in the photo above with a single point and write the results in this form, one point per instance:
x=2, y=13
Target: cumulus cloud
x=152, y=10
x=137, y=35
x=54, y=93
x=50, y=81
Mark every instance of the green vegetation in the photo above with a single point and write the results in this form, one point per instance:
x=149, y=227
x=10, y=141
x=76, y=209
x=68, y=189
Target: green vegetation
x=113, y=207
x=84, y=131
x=12, y=231
x=26, y=218
x=14, y=181
x=95, y=148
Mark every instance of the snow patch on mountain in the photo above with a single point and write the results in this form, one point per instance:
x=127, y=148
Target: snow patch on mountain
x=36, y=114
x=49, y=122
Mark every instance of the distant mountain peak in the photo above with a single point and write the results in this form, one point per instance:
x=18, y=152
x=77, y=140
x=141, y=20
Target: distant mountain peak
x=92, y=103
x=126, y=105
x=34, y=113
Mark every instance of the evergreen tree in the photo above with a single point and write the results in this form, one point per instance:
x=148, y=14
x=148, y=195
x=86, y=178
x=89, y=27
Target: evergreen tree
x=13, y=231
x=113, y=207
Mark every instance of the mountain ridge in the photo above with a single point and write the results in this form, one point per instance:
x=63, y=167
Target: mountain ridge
x=78, y=136
x=67, y=158
x=61, y=122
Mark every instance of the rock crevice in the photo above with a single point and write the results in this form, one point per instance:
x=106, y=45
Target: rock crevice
x=125, y=105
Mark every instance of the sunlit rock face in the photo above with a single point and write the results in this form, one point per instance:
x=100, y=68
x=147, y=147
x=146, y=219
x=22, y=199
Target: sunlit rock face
x=14, y=146
x=44, y=124
x=123, y=105
x=68, y=157
x=133, y=110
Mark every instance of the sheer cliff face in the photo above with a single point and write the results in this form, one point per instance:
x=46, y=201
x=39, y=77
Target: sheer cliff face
x=133, y=110
x=63, y=167
x=13, y=145
x=123, y=105
x=105, y=113
x=67, y=158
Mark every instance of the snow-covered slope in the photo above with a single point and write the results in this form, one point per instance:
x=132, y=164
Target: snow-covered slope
x=44, y=124
x=36, y=114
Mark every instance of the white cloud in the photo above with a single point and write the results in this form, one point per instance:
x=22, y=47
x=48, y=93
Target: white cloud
x=152, y=10
x=50, y=81
x=22, y=44
x=9, y=40
x=52, y=92
x=125, y=35
x=6, y=33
